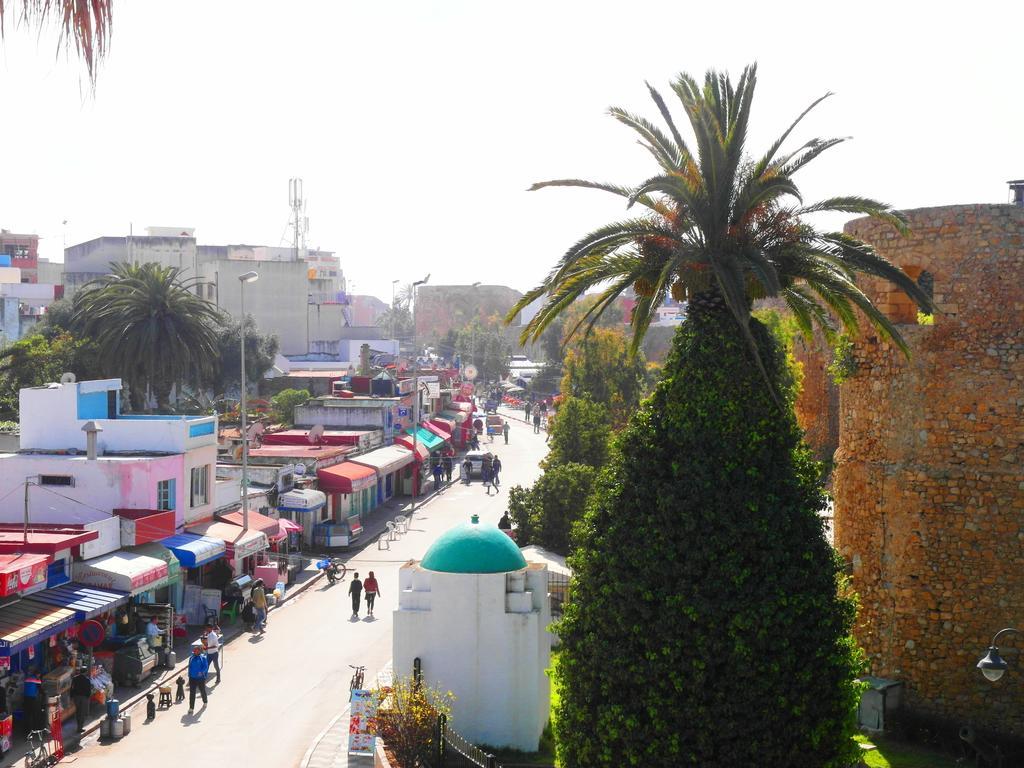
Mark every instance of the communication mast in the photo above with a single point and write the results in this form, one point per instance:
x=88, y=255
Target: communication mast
x=300, y=222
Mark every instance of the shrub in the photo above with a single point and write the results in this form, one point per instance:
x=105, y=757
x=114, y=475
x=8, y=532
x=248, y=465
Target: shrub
x=704, y=624
x=284, y=403
x=546, y=513
x=407, y=718
x=579, y=433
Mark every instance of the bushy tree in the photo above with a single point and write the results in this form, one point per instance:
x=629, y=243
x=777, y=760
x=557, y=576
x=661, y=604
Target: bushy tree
x=260, y=351
x=702, y=571
x=39, y=360
x=545, y=513
x=284, y=403
x=600, y=366
x=579, y=434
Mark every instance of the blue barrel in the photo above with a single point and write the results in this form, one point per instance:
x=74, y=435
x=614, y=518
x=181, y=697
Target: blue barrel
x=113, y=708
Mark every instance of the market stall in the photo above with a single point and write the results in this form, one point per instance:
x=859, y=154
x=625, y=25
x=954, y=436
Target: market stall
x=241, y=546
x=300, y=510
x=350, y=487
x=388, y=463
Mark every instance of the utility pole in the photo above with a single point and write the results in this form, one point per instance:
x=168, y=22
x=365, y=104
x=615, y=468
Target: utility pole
x=248, y=277
x=416, y=387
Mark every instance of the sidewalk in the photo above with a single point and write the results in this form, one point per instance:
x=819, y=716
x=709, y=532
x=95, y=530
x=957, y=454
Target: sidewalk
x=330, y=750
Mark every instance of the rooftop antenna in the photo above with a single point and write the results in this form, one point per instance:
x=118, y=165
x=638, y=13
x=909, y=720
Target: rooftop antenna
x=298, y=204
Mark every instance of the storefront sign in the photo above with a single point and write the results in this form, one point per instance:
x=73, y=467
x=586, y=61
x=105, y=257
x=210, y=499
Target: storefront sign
x=23, y=578
x=362, y=726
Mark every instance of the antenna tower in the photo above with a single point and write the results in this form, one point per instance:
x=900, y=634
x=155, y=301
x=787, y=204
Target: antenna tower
x=300, y=222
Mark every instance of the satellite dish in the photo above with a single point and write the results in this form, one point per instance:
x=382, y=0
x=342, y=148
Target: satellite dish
x=67, y=378
x=315, y=434
x=471, y=372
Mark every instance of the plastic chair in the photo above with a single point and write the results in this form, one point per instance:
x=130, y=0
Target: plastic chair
x=229, y=611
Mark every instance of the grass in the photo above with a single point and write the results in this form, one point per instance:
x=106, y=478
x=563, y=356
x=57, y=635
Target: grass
x=898, y=754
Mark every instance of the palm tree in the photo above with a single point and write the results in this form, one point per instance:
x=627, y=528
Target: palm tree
x=720, y=227
x=151, y=326
x=86, y=23
x=699, y=567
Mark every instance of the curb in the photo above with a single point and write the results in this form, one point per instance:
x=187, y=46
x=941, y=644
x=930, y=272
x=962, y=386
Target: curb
x=183, y=665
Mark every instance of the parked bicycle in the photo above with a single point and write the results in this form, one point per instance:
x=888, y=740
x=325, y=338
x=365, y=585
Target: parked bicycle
x=356, y=684
x=38, y=754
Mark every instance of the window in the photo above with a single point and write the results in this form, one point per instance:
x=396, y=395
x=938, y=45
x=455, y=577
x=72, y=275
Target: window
x=165, y=494
x=67, y=480
x=200, y=485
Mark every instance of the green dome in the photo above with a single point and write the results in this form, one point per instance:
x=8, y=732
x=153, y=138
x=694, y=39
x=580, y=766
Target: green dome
x=474, y=548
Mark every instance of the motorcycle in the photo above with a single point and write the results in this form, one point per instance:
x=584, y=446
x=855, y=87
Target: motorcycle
x=334, y=569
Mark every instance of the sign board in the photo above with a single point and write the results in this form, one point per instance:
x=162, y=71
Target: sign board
x=434, y=390
x=403, y=413
x=362, y=725
x=470, y=372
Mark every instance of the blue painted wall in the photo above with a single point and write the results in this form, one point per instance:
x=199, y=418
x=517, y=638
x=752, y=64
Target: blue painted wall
x=92, y=405
x=196, y=430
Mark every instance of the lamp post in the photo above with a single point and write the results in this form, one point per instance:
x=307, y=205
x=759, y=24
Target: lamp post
x=248, y=277
x=393, y=284
x=415, y=388
x=992, y=665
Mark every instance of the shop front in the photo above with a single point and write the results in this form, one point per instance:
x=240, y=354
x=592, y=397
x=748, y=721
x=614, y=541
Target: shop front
x=388, y=463
x=198, y=556
x=351, y=493
x=419, y=472
x=23, y=572
x=301, y=509
x=169, y=593
x=242, y=547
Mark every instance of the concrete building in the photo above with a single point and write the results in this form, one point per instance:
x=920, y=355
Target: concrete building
x=476, y=615
x=444, y=307
x=300, y=296
x=24, y=253
x=133, y=462
x=22, y=301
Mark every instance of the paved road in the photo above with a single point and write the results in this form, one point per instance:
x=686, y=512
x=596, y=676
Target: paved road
x=281, y=690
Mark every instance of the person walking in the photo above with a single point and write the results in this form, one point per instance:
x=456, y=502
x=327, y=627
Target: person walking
x=485, y=473
x=372, y=589
x=526, y=410
x=467, y=470
x=495, y=471
x=211, y=640
x=536, y=421
x=438, y=472
x=448, y=466
x=81, y=693
x=198, y=669
x=356, y=590
x=504, y=431
x=259, y=605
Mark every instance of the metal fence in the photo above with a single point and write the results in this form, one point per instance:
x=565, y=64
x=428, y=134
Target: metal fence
x=452, y=750
x=558, y=589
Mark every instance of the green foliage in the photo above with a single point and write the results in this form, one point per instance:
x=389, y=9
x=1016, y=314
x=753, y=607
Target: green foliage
x=705, y=624
x=601, y=368
x=483, y=344
x=151, y=327
x=39, y=360
x=284, y=402
x=843, y=364
x=579, y=434
x=260, y=351
x=545, y=513
x=785, y=329
x=407, y=717
x=397, y=320
x=547, y=380
x=924, y=318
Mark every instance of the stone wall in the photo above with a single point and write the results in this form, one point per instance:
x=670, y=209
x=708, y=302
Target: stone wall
x=929, y=482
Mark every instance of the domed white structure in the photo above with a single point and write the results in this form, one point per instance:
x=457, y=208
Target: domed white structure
x=476, y=615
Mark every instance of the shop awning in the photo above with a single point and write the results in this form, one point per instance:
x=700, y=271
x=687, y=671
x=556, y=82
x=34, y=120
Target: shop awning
x=19, y=572
x=301, y=500
x=160, y=552
x=84, y=600
x=122, y=570
x=25, y=623
x=194, y=551
x=289, y=526
x=440, y=429
x=385, y=460
x=422, y=454
x=347, y=477
x=455, y=416
x=238, y=542
x=257, y=522
x=428, y=438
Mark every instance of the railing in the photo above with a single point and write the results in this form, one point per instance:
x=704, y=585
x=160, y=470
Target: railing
x=558, y=590
x=453, y=751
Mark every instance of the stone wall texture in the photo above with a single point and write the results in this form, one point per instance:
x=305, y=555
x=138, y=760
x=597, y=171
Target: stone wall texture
x=929, y=478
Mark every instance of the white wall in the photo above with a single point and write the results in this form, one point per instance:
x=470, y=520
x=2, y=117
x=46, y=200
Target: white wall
x=484, y=637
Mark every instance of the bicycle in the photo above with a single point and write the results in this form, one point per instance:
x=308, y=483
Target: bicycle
x=38, y=750
x=356, y=683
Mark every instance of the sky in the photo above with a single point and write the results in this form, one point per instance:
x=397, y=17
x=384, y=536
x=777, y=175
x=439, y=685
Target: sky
x=418, y=125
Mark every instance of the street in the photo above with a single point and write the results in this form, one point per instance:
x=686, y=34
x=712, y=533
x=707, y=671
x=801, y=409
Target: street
x=282, y=689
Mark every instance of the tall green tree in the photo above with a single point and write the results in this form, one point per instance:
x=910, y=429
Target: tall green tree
x=484, y=344
x=579, y=434
x=546, y=512
x=600, y=366
x=734, y=620
x=151, y=327
x=41, y=359
x=260, y=351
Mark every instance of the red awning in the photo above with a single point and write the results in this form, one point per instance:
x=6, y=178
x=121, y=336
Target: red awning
x=18, y=572
x=439, y=430
x=346, y=478
x=422, y=454
x=257, y=522
x=141, y=526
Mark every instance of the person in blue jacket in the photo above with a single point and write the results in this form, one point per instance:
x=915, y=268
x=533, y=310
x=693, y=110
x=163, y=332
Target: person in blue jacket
x=198, y=668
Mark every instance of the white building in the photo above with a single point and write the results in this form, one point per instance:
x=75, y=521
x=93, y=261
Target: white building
x=476, y=615
x=139, y=462
x=22, y=303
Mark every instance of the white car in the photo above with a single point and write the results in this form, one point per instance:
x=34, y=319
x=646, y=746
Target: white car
x=476, y=461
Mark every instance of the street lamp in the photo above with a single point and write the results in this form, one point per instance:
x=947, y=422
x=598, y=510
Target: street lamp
x=992, y=665
x=393, y=284
x=416, y=387
x=248, y=277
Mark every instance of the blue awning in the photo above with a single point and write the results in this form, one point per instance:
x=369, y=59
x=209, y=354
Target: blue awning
x=84, y=600
x=193, y=550
x=26, y=623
